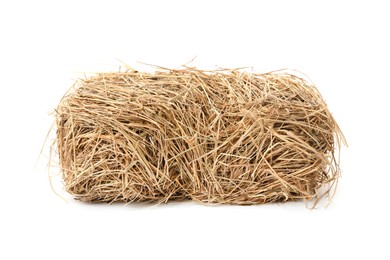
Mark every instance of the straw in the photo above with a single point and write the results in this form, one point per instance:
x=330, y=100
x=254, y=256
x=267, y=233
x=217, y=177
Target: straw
x=224, y=136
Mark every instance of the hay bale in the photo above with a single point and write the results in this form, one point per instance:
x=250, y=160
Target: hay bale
x=221, y=136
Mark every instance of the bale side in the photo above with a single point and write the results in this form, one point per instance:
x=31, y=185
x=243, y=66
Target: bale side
x=222, y=137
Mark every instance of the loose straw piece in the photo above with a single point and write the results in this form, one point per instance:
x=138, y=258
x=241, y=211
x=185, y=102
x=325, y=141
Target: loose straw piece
x=211, y=136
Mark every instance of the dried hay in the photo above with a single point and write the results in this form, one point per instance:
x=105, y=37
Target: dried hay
x=224, y=136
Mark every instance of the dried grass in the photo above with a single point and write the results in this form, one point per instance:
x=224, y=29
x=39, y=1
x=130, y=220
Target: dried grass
x=224, y=136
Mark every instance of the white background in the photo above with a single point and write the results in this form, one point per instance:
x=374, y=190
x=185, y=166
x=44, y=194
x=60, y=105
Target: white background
x=342, y=45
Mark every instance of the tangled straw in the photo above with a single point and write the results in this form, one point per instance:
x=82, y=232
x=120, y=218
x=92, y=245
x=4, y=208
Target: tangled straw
x=211, y=136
